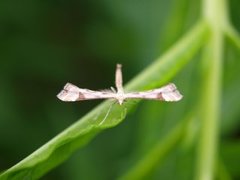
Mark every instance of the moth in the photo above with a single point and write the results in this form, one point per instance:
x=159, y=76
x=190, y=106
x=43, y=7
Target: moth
x=71, y=92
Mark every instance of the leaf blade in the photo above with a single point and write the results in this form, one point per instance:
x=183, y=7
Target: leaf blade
x=63, y=145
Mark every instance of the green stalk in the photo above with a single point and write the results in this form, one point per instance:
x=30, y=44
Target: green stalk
x=215, y=14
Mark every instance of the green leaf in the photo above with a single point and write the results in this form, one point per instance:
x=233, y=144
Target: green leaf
x=77, y=135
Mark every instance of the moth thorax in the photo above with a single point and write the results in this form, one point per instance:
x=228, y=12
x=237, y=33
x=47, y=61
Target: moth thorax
x=120, y=97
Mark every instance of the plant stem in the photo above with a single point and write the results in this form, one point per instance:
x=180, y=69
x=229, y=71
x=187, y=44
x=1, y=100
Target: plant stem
x=215, y=13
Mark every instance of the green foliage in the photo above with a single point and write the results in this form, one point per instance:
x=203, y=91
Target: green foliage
x=169, y=138
x=63, y=145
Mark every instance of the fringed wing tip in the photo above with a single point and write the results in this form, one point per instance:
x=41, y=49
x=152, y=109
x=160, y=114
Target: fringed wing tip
x=61, y=95
x=65, y=95
x=172, y=96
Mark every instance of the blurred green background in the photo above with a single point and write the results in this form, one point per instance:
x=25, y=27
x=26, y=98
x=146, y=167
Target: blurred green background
x=44, y=44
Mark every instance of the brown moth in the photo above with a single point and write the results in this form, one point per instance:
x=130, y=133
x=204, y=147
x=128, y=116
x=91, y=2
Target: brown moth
x=71, y=92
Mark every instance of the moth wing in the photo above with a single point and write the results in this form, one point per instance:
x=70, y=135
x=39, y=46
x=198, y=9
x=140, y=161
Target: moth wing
x=71, y=92
x=165, y=93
